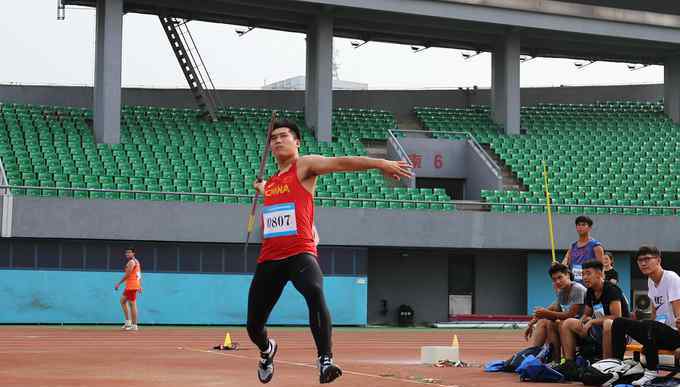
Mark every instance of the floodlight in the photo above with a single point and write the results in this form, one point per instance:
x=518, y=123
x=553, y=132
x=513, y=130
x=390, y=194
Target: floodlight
x=356, y=44
x=581, y=65
x=240, y=33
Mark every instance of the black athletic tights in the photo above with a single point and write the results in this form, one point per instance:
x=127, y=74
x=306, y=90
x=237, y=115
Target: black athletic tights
x=268, y=283
x=653, y=335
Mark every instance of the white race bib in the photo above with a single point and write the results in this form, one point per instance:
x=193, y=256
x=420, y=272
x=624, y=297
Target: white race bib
x=598, y=310
x=578, y=272
x=662, y=318
x=279, y=220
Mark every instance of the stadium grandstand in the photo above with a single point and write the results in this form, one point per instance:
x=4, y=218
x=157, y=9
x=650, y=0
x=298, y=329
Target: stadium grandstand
x=87, y=172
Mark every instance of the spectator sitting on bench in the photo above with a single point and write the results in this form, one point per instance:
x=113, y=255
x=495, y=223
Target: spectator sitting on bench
x=661, y=332
x=604, y=301
x=544, y=326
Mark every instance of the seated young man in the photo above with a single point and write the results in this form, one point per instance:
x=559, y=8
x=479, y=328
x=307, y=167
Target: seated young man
x=544, y=326
x=604, y=301
x=661, y=332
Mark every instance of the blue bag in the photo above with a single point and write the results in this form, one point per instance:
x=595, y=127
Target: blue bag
x=532, y=369
x=494, y=366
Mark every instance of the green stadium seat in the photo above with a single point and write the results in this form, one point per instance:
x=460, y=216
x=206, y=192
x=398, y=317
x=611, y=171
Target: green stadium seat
x=171, y=150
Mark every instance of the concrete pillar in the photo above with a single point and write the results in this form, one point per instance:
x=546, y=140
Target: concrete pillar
x=319, y=92
x=107, y=71
x=671, y=88
x=310, y=80
x=505, y=96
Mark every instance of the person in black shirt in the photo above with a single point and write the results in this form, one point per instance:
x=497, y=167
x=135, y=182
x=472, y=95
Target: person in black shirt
x=604, y=301
x=610, y=274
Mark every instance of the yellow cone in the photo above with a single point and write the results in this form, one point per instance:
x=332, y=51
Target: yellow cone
x=455, y=343
x=227, y=341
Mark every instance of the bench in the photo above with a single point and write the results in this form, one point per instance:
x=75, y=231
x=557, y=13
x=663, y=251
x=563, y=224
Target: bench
x=667, y=361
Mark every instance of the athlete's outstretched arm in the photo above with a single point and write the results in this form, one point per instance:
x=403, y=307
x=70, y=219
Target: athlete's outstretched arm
x=315, y=165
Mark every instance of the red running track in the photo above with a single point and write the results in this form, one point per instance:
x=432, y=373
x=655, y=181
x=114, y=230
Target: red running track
x=182, y=356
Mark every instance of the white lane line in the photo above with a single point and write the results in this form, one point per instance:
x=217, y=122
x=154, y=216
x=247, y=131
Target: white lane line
x=393, y=378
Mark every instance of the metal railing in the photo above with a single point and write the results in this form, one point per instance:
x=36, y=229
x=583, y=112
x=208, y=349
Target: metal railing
x=400, y=148
x=3, y=178
x=404, y=156
x=457, y=204
x=206, y=79
x=206, y=194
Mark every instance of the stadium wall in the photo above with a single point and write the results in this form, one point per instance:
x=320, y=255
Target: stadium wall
x=35, y=217
x=500, y=272
x=449, y=159
x=399, y=276
x=78, y=297
x=399, y=102
x=403, y=278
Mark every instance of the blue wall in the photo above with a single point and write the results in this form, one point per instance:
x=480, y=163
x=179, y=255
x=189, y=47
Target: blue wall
x=539, y=285
x=34, y=296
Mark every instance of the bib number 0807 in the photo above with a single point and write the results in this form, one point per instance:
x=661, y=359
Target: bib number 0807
x=278, y=221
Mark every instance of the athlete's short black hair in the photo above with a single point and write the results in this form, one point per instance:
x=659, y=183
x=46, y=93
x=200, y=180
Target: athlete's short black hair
x=285, y=123
x=584, y=219
x=597, y=265
x=558, y=268
x=130, y=248
x=648, y=250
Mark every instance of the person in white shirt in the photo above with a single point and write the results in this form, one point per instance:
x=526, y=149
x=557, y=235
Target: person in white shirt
x=661, y=332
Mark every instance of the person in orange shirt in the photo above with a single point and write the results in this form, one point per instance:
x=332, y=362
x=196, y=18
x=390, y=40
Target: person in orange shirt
x=133, y=285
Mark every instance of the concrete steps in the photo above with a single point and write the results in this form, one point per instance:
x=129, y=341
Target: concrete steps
x=511, y=182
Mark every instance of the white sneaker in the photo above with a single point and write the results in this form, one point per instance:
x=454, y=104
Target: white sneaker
x=126, y=325
x=132, y=327
x=265, y=367
x=647, y=377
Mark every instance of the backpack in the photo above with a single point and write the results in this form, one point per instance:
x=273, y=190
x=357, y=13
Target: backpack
x=532, y=369
x=510, y=365
x=494, y=366
x=517, y=359
x=609, y=372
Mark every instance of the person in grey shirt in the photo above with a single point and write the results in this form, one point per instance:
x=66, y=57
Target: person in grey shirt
x=545, y=324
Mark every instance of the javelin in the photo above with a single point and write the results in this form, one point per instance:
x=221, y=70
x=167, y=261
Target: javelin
x=260, y=177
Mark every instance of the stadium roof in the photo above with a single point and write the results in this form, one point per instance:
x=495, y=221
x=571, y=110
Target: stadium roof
x=578, y=29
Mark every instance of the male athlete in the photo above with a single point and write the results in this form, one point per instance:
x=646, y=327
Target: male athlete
x=661, y=332
x=133, y=285
x=288, y=247
x=584, y=249
x=604, y=301
x=544, y=327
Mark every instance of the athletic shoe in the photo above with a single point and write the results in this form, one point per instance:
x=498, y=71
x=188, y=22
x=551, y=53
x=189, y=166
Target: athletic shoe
x=126, y=325
x=648, y=376
x=553, y=364
x=569, y=370
x=328, y=371
x=265, y=368
x=131, y=327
